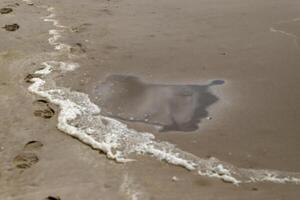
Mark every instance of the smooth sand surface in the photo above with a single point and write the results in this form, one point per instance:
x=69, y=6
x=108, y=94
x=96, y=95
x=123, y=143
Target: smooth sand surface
x=252, y=45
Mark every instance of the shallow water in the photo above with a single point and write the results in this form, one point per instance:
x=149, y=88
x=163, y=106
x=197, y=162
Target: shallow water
x=171, y=107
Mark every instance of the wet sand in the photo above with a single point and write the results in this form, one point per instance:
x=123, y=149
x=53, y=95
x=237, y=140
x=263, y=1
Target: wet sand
x=253, y=125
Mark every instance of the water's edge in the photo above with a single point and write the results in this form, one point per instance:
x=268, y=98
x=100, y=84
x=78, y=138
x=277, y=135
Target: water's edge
x=80, y=118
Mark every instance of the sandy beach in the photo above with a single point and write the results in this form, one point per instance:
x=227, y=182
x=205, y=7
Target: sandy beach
x=216, y=82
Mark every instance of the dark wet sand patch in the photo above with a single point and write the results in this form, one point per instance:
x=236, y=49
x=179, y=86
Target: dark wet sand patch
x=171, y=107
x=11, y=27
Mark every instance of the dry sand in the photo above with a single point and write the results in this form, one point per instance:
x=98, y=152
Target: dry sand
x=252, y=45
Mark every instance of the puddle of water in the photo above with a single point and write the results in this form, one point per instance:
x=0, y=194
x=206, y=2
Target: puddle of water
x=171, y=107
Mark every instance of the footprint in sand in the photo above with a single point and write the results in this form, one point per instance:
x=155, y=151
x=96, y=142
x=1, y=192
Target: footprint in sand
x=80, y=28
x=11, y=27
x=5, y=10
x=53, y=198
x=78, y=48
x=25, y=160
x=27, y=157
x=33, y=145
x=28, y=78
x=45, y=111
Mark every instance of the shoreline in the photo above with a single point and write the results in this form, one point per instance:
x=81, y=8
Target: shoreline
x=215, y=172
x=115, y=135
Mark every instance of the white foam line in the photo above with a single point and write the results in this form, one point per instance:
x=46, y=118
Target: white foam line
x=29, y=2
x=68, y=66
x=46, y=70
x=55, y=36
x=130, y=189
x=51, y=18
x=80, y=118
x=222, y=173
x=282, y=32
x=294, y=37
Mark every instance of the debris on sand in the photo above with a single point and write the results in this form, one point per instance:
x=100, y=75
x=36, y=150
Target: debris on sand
x=209, y=118
x=5, y=10
x=11, y=27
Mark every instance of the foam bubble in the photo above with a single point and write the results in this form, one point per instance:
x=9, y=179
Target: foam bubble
x=46, y=70
x=29, y=2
